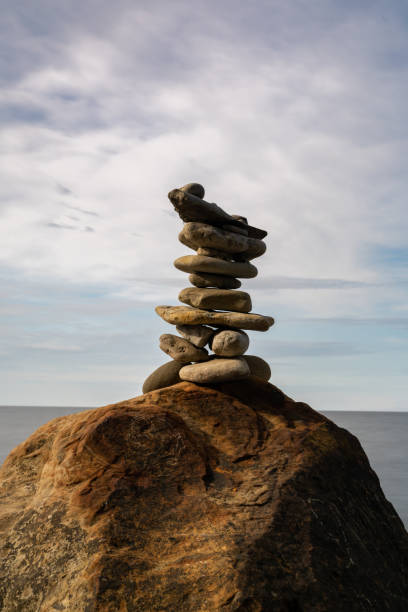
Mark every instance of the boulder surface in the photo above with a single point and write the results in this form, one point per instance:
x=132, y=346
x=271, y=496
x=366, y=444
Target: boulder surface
x=224, y=498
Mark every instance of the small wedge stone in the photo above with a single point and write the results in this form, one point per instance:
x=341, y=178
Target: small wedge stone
x=203, y=280
x=230, y=343
x=216, y=370
x=258, y=366
x=164, y=376
x=184, y=315
x=199, y=263
x=181, y=349
x=199, y=335
x=203, y=235
x=216, y=299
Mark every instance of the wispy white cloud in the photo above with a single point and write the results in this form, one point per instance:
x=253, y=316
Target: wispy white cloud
x=290, y=113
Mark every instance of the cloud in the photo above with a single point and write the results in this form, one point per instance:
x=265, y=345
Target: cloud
x=290, y=282
x=87, y=228
x=374, y=321
x=81, y=210
x=292, y=114
x=317, y=349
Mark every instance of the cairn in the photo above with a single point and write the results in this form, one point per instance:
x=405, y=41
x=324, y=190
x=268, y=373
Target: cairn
x=215, y=312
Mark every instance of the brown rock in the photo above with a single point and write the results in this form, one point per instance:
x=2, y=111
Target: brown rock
x=236, y=230
x=214, y=280
x=193, y=208
x=211, y=265
x=164, y=376
x=258, y=367
x=215, y=371
x=230, y=343
x=181, y=349
x=216, y=299
x=198, y=335
x=231, y=498
x=195, y=189
x=202, y=235
x=183, y=315
x=214, y=253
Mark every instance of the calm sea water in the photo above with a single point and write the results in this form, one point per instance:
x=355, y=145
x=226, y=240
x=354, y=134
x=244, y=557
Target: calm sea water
x=383, y=435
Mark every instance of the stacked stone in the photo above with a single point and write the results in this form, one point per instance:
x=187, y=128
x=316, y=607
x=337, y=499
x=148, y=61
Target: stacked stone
x=215, y=312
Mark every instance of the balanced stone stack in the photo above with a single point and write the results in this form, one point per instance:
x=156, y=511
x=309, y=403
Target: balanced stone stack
x=215, y=312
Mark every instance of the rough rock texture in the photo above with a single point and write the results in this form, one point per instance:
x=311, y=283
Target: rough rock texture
x=212, y=265
x=216, y=299
x=199, y=499
x=185, y=315
x=216, y=370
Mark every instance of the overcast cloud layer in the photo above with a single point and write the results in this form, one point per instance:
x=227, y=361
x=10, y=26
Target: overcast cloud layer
x=291, y=113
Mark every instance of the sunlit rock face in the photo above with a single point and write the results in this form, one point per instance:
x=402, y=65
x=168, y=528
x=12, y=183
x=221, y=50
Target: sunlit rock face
x=222, y=498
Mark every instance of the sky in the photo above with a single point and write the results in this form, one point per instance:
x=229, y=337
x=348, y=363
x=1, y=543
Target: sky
x=291, y=113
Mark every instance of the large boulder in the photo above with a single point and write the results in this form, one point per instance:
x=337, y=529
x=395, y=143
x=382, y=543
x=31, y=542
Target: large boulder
x=189, y=498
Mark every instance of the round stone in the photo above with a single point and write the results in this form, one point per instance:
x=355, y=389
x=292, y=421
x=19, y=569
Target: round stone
x=230, y=343
x=215, y=371
x=195, y=189
x=181, y=349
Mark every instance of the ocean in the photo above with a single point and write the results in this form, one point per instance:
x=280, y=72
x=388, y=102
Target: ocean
x=383, y=435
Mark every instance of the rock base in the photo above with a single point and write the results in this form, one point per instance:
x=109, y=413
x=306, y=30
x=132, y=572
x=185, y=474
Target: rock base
x=231, y=498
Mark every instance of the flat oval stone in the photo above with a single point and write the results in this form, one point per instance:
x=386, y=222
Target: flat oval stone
x=184, y=315
x=258, y=367
x=181, y=349
x=216, y=299
x=214, y=280
x=199, y=263
x=196, y=235
x=198, y=335
x=164, y=376
x=216, y=370
x=195, y=189
x=230, y=343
